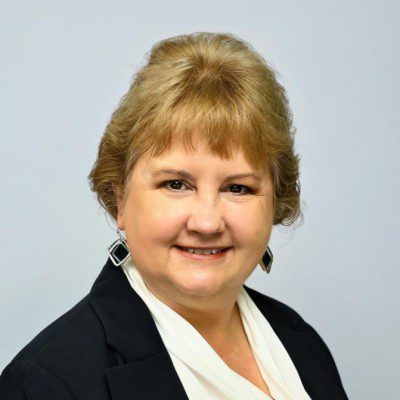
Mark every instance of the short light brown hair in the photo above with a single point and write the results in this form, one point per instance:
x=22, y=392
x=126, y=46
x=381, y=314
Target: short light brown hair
x=213, y=83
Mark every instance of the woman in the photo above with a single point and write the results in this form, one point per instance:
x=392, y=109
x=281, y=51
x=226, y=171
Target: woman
x=196, y=165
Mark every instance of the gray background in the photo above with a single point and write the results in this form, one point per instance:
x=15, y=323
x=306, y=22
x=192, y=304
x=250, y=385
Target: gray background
x=66, y=64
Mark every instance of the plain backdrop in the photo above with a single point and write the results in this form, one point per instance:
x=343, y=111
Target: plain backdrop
x=64, y=67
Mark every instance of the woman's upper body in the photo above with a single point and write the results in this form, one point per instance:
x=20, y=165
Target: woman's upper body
x=196, y=166
x=109, y=347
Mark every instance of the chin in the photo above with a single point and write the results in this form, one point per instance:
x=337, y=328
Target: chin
x=199, y=285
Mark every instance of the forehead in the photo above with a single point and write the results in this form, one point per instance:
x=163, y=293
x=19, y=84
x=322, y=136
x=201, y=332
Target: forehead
x=201, y=157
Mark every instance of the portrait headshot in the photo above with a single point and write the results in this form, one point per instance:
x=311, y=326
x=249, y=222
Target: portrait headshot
x=196, y=201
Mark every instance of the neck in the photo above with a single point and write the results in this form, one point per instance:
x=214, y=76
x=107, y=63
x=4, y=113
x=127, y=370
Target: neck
x=216, y=326
x=217, y=318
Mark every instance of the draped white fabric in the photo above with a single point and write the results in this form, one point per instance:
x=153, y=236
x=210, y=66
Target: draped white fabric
x=203, y=373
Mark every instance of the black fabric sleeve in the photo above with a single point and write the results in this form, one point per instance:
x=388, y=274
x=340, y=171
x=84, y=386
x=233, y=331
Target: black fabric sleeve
x=28, y=380
x=328, y=356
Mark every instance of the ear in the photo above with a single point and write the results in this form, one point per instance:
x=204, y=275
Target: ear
x=120, y=220
x=120, y=212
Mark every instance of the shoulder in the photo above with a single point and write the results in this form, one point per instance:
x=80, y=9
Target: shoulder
x=76, y=326
x=25, y=378
x=71, y=346
x=278, y=312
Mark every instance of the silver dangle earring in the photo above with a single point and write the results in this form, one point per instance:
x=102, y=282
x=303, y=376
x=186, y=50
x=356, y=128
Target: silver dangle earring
x=266, y=261
x=118, y=251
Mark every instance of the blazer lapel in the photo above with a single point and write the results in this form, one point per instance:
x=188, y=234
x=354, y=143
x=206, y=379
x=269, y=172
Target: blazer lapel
x=152, y=378
x=145, y=369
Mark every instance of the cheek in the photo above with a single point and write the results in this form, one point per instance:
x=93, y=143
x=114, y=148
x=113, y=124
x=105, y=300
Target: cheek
x=253, y=237
x=254, y=222
x=152, y=221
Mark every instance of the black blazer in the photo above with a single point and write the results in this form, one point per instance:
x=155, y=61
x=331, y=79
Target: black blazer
x=108, y=347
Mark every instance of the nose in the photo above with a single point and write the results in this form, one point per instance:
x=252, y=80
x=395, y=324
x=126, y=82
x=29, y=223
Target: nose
x=206, y=217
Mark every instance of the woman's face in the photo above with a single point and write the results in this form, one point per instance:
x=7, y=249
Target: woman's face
x=207, y=209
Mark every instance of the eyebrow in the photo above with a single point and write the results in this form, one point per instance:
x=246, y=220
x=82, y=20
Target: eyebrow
x=188, y=175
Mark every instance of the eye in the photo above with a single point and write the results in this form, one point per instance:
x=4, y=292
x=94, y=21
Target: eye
x=237, y=186
x=173, y=185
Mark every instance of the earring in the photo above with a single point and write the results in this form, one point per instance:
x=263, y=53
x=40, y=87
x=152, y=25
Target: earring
x=118, y=251
x=266, y=261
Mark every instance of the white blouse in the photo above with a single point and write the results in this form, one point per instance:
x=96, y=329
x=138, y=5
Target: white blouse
x=203, y=373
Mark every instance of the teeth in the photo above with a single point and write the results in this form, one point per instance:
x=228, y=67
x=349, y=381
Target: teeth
x=203, y=251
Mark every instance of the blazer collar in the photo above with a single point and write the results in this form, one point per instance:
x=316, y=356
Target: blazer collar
x=145, y=368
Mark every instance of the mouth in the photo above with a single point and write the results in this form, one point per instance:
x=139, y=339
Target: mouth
x=205, y=257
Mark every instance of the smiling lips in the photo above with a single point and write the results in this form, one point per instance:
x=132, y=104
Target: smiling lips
x=203, y=248
x=201, y=256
